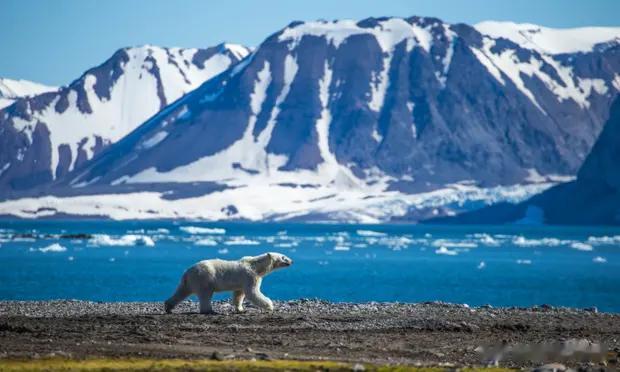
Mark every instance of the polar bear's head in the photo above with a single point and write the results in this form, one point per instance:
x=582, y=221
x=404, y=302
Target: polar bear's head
x=279, y=260
x=267, y=262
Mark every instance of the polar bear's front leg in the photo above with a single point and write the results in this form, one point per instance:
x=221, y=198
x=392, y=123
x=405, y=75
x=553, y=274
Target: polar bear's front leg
x=254, y=294
x=238, y=300
x=205, y=302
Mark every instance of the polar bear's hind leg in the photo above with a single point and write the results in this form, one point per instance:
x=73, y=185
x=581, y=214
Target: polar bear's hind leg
x=183, y=291
x=238, y=297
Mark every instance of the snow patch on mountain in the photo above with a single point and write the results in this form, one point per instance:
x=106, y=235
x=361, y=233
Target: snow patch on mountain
x=154, y=140
x=507, y=63
x=447, y=59
x=550, y=40
x=290, y=71
x=322, y=124
x=11, y=90
x=237, y=50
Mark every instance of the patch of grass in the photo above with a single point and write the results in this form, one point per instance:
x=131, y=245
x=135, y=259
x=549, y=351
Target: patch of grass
x=56, y=364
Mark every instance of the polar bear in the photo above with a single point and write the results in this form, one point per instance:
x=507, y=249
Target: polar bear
x=242, y=277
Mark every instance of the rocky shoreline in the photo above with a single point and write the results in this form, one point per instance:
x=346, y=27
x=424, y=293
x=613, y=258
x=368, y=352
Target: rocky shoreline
x=428, y=334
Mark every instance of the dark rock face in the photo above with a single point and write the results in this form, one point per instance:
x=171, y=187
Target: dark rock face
x=429, y=108
x=601, y=166
x=46, y=136
x=592, y=199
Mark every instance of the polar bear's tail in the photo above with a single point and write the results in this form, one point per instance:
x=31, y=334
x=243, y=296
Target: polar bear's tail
x=179, y=295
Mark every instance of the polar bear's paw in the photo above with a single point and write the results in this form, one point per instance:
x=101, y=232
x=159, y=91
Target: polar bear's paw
x=168, y=307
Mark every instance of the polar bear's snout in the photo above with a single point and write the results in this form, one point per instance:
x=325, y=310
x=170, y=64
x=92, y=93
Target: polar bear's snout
x=283, y=261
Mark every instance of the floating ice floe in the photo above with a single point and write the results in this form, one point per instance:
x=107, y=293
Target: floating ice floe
x=342, y=248
x=125, y=240
x=340, y=239
x=240, y=240
x=202, y=230
x=159, y=231
x=56, y=248
x=396, y=243
x=599, y=259
x=206, y=242
x=445, y=251
x=370, y=233
x=454, y=244
x=486, y=239
x=482, y=265
x=581, y=246
x=21, y=240
x=604, y=239
x=222, y=251
x=524, y=242
x=524, y=262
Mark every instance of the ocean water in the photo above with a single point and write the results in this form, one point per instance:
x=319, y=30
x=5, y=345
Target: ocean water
x=477, y=265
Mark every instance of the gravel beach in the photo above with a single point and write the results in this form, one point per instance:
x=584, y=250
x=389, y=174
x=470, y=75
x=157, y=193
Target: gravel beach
x=394, y=333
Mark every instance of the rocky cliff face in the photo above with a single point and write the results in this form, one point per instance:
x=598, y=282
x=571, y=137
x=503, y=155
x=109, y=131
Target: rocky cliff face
x=592, y=199
x=47, y=135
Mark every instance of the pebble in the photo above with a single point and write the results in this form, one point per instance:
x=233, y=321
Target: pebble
x=217, y=356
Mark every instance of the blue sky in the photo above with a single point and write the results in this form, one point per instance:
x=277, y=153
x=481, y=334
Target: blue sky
x=54, y=41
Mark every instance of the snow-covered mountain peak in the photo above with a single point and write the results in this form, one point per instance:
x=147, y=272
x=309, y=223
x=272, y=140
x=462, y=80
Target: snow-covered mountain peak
x=69, y=126
x=550, y=40
x=388, y=31
x=10, y=90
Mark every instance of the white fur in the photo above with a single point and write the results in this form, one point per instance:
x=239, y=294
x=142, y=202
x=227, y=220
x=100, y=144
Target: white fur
x=242, y=277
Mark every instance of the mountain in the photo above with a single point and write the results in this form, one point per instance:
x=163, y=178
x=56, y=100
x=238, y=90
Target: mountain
x=381, y=119
x=11, y=90
x=552, y=40
x=45, y=136
x=592, y=199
